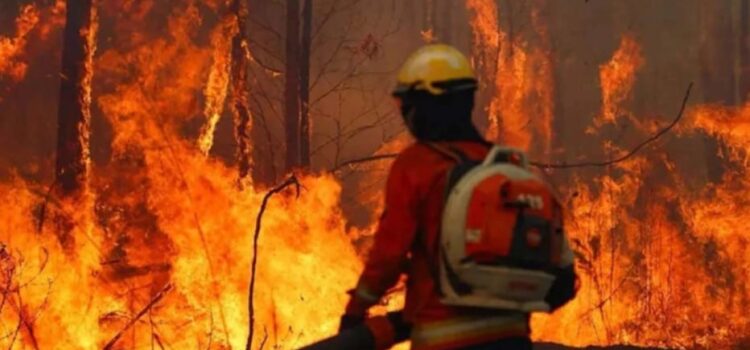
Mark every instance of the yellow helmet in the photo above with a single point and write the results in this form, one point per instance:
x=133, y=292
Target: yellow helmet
x=436, y=69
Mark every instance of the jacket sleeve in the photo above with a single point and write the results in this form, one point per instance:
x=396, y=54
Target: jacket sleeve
x=392, y=241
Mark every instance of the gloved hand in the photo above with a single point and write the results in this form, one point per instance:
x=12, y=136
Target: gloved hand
x=349, y=321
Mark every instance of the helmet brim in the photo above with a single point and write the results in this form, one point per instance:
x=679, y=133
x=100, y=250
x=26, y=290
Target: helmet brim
x=444, y=87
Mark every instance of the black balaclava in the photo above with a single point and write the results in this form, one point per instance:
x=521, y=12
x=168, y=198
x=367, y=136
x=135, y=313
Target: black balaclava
x=446, y=117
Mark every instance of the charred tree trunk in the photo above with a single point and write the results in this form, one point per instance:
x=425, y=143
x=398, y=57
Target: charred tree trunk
x=304, y=85
x=74, y=112
x=240, y=108
x=717, y=70
x=74, y=115
x=744, y=50
x=292, y=84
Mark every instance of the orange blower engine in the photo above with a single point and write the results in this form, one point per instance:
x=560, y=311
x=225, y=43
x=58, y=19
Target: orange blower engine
x=376, y=333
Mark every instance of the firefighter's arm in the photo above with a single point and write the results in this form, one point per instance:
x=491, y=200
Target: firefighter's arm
x=392, y=241
x=565, y=287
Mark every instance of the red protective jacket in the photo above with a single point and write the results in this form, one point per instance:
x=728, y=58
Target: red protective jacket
x=407, y=242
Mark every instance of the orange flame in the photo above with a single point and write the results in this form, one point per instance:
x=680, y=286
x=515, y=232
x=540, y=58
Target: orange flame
x=660, y=265
x=218, y=81
x=617, y=78
x=487, y=40
x=154, y=224
x=521, y=106
x=11, y=49
x=731, y=125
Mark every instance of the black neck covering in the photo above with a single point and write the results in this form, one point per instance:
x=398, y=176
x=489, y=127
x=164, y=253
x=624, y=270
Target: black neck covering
x=445, y=117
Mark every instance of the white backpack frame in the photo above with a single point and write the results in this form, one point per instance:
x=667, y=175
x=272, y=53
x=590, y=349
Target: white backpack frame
x=489, y=284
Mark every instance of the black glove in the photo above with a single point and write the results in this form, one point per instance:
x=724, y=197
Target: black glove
x=350, y=321
x=402, y=328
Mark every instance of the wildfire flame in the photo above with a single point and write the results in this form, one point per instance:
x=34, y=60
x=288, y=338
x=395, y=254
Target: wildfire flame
x=11, y=49
x=218, y=81
x=162, y=240
x=660, y=263
x=522, y=85
x=617, y=78
x=150, y=263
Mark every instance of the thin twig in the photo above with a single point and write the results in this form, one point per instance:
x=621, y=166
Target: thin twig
x=265, y=339
x=42, y=267
x=26, y=321
x=29, y=326
x=20, y=320
x=292, y=180
x=9, y=273
x=159, y=341
x=159, y=296
x=211, y=330
x=633, y=151
x=543, y=165
x=153, y=332
x=364, y=160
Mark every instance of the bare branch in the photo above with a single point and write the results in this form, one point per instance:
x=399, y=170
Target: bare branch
x=364, y=160
x=267, y=67
x=20, y=321
x=267, y=28
x=633, y=151
x=605, y=163
x=159, y=296
x=265, y=339
x=266, y=50
x=292, y=180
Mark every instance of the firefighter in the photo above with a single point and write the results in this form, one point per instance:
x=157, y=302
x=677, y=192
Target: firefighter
x=435, y=93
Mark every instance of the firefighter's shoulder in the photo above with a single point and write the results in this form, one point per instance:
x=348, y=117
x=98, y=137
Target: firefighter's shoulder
x=416, y=154
x=417, y=164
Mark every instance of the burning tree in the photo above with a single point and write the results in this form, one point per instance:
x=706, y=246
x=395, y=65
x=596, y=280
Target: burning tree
x=74, y=113
x=240, y=89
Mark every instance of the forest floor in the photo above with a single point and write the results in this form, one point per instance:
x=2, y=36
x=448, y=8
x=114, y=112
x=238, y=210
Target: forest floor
x=546, y=346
